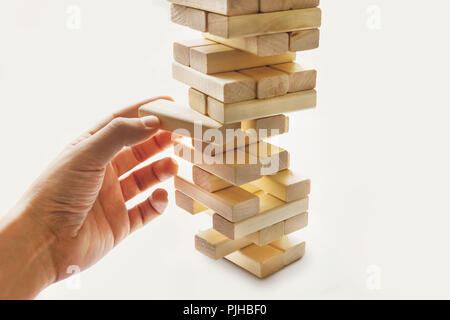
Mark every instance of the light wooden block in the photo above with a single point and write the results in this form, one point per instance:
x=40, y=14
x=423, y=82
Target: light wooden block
x=182, y=49
x=218, y=58
x=233, y=203
x=253, y=131
x=267, y=235
x=208, y=181
x=234, y=172
x=296, y=223
x=229, y=87
x=260, y=108
x=292, y=250
x=272, y=211
x=216, y=246
x=304, y=40
x=189, y=17
x=250, y=188
x=260, y=261
x=274, y=5
x=263, y=23
x=281, y=5
x=198, y=101
x=269, y=82
x=188, y=204
x=285, y=185
x=225, y=7
x=302, y=4
x=300, y=78
x=175, y=118
x=278, y=123
x=273, y=159
x=263, y=46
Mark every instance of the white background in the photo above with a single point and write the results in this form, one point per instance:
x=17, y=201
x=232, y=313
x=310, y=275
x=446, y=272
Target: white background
x=376, y=147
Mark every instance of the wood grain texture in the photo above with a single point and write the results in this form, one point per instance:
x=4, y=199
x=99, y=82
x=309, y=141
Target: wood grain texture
x=188, y=204
x=233, y=203
x=189, y=17
x=232, y=172
x=260, y=261
x=285, y=185
x=281, y=5
x=300, y=78
x=208, y=181
x=265, y=261
x=267, y=235
x=302, y=4
x=269, y=82
x=259, y=108
x=278, y=123
x=263, y=45
x=182, y=49
x=229, y=87
x=296, y=223
x=272, y=211
x=304, y=40
x=216, y=246
x=197, y=101
x=292, y=250
x=225, y=7
x=218, y=58
x=178, y=119
x=263, y=23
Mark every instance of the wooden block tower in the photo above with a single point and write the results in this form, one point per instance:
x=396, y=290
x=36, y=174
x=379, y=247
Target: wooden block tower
x=242, y=79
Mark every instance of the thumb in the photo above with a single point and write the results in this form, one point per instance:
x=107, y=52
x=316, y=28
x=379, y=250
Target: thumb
x=119, y=133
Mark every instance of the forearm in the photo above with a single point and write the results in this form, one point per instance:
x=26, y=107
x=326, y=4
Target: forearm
x=25, y=260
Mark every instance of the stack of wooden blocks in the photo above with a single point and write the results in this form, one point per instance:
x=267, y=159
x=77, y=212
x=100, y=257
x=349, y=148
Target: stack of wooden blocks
x=242, y=77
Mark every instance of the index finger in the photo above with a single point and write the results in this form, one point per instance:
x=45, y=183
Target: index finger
x=128, y=112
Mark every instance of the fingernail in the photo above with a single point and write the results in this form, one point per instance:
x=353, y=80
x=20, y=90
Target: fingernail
x=176, y=136
x=150, y=121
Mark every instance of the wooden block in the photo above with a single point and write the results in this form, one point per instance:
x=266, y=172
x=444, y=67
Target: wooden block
x=292, y=250
x=188, y=204
x=259, y=108
x=263, y=46
x=233, y=203
x=260, y=261
x=278, y=123
x=282, y=5
x=263, y=23
x=182, y=49
x=304, y=40
x=198, y=101
x=228, y=87
x=273, y=159
x=269, y=82
x=216, y=246
x=285, y=185
x=189, y=17
x=303, y=4
x=178, y=119
x=234, y=171
x=250, y=188
x=208, y=181
x=296, y=223
x=300, y=79
x=225, y=7
x=267, y=235
x=218, y=58
x=274, y=5
x=272, y=211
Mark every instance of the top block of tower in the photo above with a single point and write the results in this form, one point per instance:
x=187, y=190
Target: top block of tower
x=224, y=7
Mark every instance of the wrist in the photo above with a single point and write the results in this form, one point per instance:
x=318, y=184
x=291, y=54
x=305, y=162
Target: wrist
x=26, y=264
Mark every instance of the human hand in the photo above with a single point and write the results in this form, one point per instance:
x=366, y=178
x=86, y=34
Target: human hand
x=75, y=212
